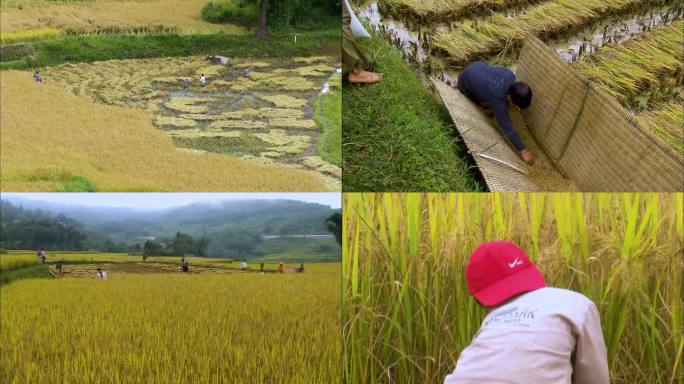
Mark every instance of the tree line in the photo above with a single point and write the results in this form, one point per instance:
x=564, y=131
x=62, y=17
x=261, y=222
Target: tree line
x=274, y=15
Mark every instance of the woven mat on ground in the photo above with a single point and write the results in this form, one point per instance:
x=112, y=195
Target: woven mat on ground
x=500, y=165
x=587, y=134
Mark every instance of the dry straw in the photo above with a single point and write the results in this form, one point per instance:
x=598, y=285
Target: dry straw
x=498, y=34
x=407, y=313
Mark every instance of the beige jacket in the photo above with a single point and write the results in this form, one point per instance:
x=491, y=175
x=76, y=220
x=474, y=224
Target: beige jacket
x=547, y=336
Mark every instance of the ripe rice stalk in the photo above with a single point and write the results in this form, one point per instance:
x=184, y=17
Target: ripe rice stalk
x=407, y=312
x=453, y=9
x=639, y=66
x=171, y=327
x=7, y=38
x=478, y=39
x=666, y=121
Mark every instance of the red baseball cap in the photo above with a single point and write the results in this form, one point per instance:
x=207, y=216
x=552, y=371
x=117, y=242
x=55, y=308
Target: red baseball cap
x=499, y=270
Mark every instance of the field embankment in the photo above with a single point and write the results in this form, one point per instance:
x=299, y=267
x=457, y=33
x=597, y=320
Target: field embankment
x=89, y=48
x=15, y=267
x=397, y=136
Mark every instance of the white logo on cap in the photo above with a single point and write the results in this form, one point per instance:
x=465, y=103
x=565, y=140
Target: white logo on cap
x=515, y=262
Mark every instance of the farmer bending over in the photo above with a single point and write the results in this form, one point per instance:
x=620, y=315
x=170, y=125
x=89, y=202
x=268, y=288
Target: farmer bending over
x=495, y=87
x=532, y=334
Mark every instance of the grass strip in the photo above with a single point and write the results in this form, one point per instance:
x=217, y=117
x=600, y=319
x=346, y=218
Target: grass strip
x=397, y=136
x=89, y=48
x=500, y=35
x=328, y=117
x=32, y=272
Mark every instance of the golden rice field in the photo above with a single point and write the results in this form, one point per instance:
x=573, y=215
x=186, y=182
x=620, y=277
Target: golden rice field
x=116, y=148
x=265, y=117
x=124, y=16
x=407, y=312
x=28, y=35
x=173, y=328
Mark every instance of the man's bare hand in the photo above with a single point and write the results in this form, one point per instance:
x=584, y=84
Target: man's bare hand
x=527, y=156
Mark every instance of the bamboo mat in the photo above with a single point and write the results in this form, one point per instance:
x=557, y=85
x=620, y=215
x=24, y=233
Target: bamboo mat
x=500, y=165
x=588, y=135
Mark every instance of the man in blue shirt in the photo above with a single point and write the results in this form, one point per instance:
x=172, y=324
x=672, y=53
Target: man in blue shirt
x=495, y=87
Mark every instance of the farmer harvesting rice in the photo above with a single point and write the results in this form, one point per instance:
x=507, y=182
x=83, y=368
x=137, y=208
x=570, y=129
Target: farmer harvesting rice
x=41, y=255
x=353, y=60
x=495, y=87
x=202, y=80
x=532, y=334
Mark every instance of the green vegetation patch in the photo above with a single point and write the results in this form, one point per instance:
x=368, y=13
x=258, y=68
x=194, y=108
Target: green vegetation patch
x=32, y=272
x=397, y=136
x=89, y=48
x=243, y=144
x=328, y=116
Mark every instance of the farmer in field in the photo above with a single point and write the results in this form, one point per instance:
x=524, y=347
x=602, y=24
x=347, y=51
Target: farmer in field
x=281, y=268
x=101, y=274
x=353, y=60
x=41, y=255
x=495, y=87
x=202, y=80
x=533, y=333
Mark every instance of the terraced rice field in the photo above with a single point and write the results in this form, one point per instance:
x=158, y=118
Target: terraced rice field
x=631, y=48
x=264, y=116
x=646, y=75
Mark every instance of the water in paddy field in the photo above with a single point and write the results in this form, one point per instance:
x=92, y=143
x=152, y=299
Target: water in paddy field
x=414, y=39
x=614, y=31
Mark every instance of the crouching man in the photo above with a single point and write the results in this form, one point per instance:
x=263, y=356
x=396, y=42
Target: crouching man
x=533, y=334
x=495, y=87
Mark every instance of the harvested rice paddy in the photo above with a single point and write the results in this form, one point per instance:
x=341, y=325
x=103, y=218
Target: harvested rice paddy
x=56, y=141
x=264, y=115
x=632, y=49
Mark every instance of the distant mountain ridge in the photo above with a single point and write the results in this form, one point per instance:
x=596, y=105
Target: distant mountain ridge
x=224, y=223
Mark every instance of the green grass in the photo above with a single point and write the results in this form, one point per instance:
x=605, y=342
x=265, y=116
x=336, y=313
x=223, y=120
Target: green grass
x=328, y=116
x=397, y=136
x=79, y=184
x=32, y=272
x=298, y=250
x=89, y=48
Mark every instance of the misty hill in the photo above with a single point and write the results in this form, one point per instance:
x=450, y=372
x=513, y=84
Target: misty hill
x=247, y=229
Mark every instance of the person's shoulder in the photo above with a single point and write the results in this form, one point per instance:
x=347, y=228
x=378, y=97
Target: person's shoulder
x=566, y=296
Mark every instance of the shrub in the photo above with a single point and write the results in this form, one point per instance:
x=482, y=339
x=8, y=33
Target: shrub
x=238, y=11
